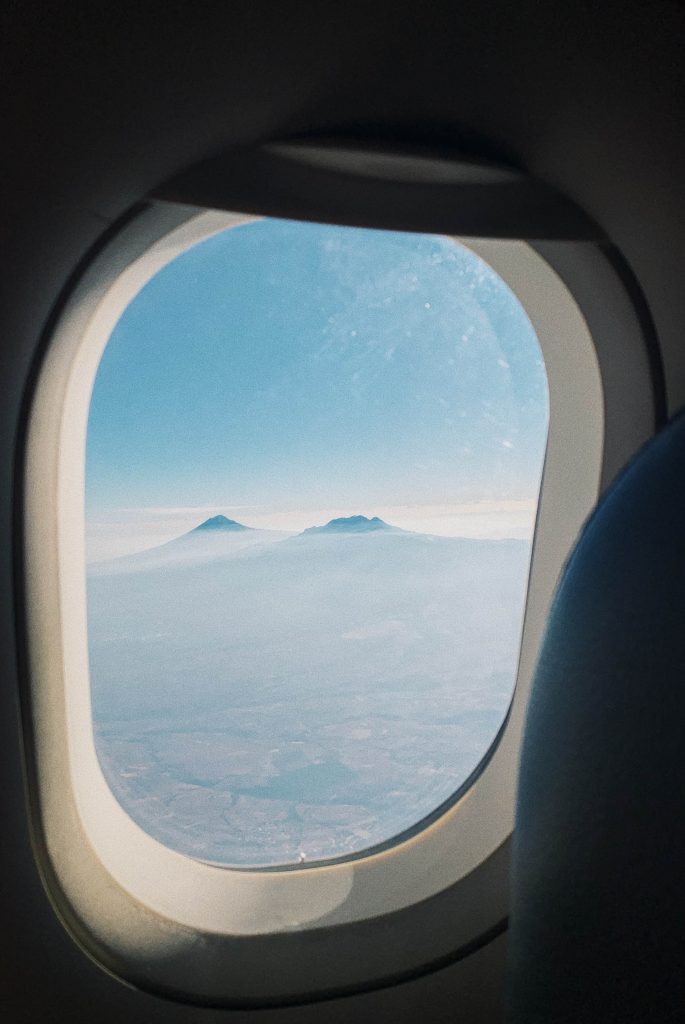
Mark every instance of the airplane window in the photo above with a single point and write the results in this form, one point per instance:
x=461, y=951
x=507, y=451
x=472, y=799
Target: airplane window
x=313, y=461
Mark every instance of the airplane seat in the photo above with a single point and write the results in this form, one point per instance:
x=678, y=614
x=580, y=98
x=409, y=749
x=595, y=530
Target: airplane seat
x=598, y=905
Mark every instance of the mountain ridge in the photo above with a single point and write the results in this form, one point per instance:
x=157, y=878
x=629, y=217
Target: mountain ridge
x=350, y=524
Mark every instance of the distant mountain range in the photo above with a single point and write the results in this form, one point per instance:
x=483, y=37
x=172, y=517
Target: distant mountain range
x=344, y=524
x=220, y=536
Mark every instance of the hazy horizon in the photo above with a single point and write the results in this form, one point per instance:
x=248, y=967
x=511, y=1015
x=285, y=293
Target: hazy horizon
x=126, y=531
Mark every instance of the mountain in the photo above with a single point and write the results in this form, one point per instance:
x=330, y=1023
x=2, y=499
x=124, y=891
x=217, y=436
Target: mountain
x=214, y=539
x=350, y=524
x=219, y=524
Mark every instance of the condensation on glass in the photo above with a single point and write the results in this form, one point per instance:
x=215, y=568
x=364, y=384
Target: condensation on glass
x=313, y=461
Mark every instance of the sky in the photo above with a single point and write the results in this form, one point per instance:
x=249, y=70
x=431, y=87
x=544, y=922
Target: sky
x=285, y=373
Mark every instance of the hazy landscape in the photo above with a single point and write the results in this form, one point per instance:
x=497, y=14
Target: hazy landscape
x=265, y=698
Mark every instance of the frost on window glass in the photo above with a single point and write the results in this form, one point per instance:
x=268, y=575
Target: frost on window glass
x=313, y=461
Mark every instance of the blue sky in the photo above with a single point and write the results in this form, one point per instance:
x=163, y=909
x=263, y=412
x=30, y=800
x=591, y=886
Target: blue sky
x=279, y=370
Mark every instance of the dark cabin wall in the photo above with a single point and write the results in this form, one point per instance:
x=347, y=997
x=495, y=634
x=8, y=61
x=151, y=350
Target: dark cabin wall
x=101, y=103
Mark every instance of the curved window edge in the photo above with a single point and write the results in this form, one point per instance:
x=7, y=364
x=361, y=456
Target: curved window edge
x=122, y=890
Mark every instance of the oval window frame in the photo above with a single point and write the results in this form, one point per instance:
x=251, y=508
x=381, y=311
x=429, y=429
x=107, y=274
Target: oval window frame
x=121, y=892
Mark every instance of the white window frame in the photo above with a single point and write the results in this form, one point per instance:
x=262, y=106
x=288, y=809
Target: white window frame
x=155, y=916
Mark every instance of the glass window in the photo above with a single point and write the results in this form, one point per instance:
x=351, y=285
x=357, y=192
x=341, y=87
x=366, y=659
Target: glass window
x=313, y=461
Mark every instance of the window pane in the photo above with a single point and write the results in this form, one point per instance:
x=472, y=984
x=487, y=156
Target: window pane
x=313, y=462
